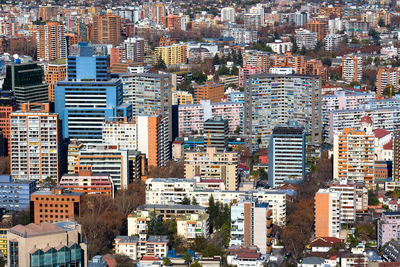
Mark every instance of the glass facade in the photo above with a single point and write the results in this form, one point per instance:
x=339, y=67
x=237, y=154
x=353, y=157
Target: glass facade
x=63, y=257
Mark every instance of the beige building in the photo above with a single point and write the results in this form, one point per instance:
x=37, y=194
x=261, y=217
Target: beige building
x=211, y=164
x=172, y=54
x=46, y=244
x=136, y=247
x=192, y=225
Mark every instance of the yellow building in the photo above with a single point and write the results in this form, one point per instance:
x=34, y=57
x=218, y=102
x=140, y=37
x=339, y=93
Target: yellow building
x=182, y=98
x=172, y=54
x=3, y=241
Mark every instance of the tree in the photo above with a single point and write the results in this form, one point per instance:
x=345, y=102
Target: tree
x=212, y=212
x=194, y=201
x=185, y=201
x=211, y=251
x=195, y=264
x=48, y=182
x=223, y=70
x=199, y=244
x=216, y=60
x=372, y=198
x=171, y=169
x=2, y=261
x=381, y=23
x=160, y=64
x=187, y=258
x=303, y=50
x=263, y=174
x=234, y=71
x=123, y=261
x=166, y=261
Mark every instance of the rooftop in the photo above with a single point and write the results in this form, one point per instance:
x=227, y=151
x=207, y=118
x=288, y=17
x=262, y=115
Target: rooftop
x=36, y=229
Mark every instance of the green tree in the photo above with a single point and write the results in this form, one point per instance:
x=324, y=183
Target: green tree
x=354, y=83
x=199, y=244
x=234, y=71
x=223, y=70
x=211, y=251
x=212, y=212
x=160, y=64
x=2, y=261
x=185, y=201
x=187, y=258
x=372, y=198
x=166, y=261
x=216, y=60
x=303, y=50
x=195, y=264
x=240, y=59
x=194, y=201
x=381, y=23
x=263, y=174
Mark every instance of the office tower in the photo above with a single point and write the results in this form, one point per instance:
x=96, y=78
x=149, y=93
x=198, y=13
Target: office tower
x=319, y=27
x=133, y=49
x=25, y=80
x=35, y=143
x=56, y=71
x=228, y=14
x=306, y=38
x=387, y=77
x=21, y=191
x=51, y=42
x=354, y=154
x=210, y=90
x=55, y=205
x=89, y=182
x=272, y=100
x=251, y=224
x=46, y=244
x=106, y=29
x=147, y=92
x=216, y=133
x=172, y=54
x=153, y=139
x=286, y=156
x=108, y=159
x=89, y=96
x=327, y=213
x=352, y=68
x=396, y=155
x=210, y=164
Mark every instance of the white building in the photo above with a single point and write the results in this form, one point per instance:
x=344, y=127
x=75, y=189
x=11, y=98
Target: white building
x=352, y=68
x=133, y=49
x=332, y=42
x=135, y=247
x=306, y=38
x=228, y=14
x=280, y=47
x=121, y=133
x=327, y=213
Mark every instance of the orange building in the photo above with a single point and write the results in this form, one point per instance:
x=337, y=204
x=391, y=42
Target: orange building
x=327, y=213
x=5, y=112
x=319, y=27
x=166, y=41
x=55, y=205
x=315, y=67
x=56, y=71
x=387, y=77
x=51, y=41
x=172, y=22
x=72, y=38
x=209, y=90
x=116, y=55
x=106, y=29
x=47, y=12
x=158, y=12
x=329, y=11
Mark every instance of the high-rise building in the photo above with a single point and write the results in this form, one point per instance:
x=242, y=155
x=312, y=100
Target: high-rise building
x=353, y=154
x=56, y=71
x=216, y=133
x=7, y=105
x=210, y=164
x=15, y=194
x=158, y=11
x=327, y=213
x=306, y=38
x=46, y=244
x=387, y=77
x=210, y=90
x=153, y=139
x=55, y=205
x=35, y=143
x=319, y=27
x=228, y=14
x=272, y=100
x=251, y=224
x=25, y=80
x=286, y=156
x=388, y=228
x=120, y=132
x=133, y=48
x=106, y=29
x=352, y=68
x=89, y=96
x=47, y=12
x=51, y=42
x=108, y=159
x=172, y=54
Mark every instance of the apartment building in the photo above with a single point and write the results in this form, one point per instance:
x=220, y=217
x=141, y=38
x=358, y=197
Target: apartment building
x=327, y=213
x=396, y=156
x=210, y=90
x=318, y=27
x=121, y=132
x=352, y=68
x=251, y=225
x=216, y=133
x=51, y=42
x=55, y=205
x=74, y=147
x=246, y=71
x=387, y=77
x=172, y=54
x=191, y=118
x=228, y=14
x=286, y=156
x=280, y=47
x=56, y=71
x=211, y=164
x=3, y=241
x=35, y=143
x=332, y=41
x=46, y=244
x=133, y=49
x=167, y=191
x=106, y=29
x=182, y=98
x=136, y=247
x=268, y=104
x=241, y=35
x=15, y=194
x=388, y=228
x=257, y=58
x=86, y=181
x=306, y=38
x=353, y=156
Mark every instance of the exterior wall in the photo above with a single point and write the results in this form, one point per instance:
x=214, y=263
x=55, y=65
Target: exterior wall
x=327, y=216
x=352, y=68
x=55, y=73
x=173, y=54
x=51, y=42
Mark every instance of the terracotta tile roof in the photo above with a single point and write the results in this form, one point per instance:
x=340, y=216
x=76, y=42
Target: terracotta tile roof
x=379, y=133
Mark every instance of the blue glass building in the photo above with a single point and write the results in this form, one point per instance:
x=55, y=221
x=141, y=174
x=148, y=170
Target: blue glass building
x=89, y=96
x=15, y=194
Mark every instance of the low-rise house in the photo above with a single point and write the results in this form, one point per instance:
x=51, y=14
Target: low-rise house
x=136, y=247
